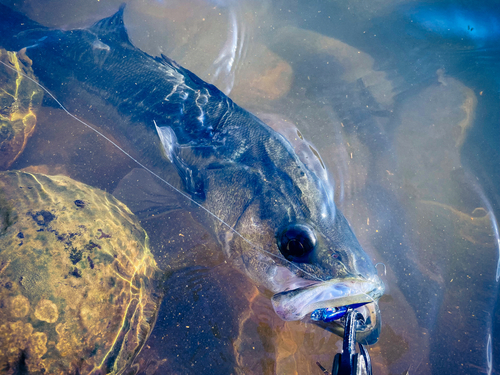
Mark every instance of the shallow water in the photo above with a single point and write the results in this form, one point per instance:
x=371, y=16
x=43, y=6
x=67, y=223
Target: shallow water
x=401, y=101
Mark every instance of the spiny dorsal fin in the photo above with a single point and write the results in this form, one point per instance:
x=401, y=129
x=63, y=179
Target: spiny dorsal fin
x=112, y=28
x=165, y=60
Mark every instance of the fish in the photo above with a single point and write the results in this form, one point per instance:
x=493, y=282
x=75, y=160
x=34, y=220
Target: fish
x=273, y=215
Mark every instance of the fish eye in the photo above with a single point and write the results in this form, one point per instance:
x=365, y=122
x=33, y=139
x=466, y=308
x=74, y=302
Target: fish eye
x=296, y=241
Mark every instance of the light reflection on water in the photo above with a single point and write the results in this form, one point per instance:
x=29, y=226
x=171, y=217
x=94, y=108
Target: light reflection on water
x=403, y=114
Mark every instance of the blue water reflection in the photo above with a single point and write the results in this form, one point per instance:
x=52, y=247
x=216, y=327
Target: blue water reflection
x=474, y=22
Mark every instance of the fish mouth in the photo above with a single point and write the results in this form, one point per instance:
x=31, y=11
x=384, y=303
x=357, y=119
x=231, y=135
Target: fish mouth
x=296, y=304
x=335, y=293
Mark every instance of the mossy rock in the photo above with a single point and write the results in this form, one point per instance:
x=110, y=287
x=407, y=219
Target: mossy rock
x=20, y=98
x=78, y=283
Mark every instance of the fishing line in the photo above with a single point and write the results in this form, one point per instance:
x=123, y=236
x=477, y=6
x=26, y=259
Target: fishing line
x=156, y=175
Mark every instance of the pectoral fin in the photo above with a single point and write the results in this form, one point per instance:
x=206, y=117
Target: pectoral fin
x=191, y=177
x=145, y=195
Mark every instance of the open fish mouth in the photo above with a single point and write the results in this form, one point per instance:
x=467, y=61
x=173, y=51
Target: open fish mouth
x=296, y=304
x=328, y=298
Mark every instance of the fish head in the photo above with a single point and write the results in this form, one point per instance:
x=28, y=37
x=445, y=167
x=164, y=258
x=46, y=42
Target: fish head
x=293, y=240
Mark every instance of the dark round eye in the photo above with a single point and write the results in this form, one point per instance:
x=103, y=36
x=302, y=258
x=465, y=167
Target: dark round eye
x=296, y=241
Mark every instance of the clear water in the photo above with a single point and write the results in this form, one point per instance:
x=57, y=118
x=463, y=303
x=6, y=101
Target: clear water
x=402, y=101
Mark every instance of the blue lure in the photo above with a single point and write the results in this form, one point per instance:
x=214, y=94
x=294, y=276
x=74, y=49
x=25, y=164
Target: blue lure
x=330, y=314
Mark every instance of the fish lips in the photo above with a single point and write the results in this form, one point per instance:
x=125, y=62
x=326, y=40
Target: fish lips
x=297, y=304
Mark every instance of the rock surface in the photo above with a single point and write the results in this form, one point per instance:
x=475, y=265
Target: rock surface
x=78, y=284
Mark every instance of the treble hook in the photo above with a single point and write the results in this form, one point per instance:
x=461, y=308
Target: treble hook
x=350, y=362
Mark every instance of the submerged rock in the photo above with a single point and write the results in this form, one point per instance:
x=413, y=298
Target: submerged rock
x=20, y=98
x=428, y=141
x=77, y=280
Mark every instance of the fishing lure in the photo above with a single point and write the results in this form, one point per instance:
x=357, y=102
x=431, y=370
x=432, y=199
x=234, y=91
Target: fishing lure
x=331, y=314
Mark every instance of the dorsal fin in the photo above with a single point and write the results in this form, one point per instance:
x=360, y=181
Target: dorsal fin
x=112, y=28
x=165, y=60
